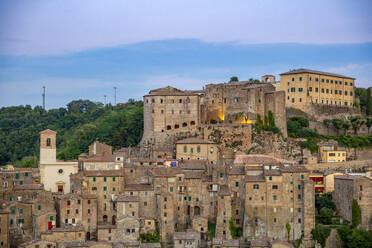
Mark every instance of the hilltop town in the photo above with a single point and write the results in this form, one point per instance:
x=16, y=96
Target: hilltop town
x=257, y=163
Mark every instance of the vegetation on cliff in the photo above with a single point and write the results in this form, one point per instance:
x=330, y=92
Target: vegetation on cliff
x=78, y=125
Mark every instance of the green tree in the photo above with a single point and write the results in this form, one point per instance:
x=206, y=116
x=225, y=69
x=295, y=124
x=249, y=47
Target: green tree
x=369, y=102
x=234, y=79
x=338, y=124
x=235, y=232
x=320, y=234
x=345, y=126
x=356, y=214
x=325, y=216
x=369, y=122
x=327, y=123
x=324, y=201
x=356, y=122
x=288, y=227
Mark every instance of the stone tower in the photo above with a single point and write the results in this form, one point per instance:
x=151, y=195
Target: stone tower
x=48, y=147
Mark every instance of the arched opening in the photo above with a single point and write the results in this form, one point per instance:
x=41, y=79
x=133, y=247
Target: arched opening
x=113, y=220
x=88, y=235
x=176, y=126
x=48, y=142
x=192, y=123
x=105, y=219
x=184, y=124
x=169, y=127
x=196, y=210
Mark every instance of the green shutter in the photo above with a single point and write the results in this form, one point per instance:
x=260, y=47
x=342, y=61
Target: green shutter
x=197, y=199
x=189, y=198
x=236, y=184
x=51, y=217
x=94, y=179
x=221, y=174
x=10, y=199
x=21, y=211
x=38, y=207
x=113, y=179
x=299, y=186
x=299, y=196
x=222, y=196
x=20, y=182
x=113, y=189
x=17, y=176
x=104, y=188
x=171, y=189
x=104, y=179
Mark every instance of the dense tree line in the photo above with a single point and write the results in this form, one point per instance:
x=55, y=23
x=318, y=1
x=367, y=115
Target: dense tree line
x=78, y=125
x=365, y=99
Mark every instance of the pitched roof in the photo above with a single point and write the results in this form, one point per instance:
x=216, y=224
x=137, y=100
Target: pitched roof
x=170, y=91
x=194, y=141
x=29, y=187
x=193, y=164
x=237, y=170
x=288, y=168
x=194, y=174
x=188, y=235
x=302, y=70
x=257, y=178
x=48, y=131
x=166, y=172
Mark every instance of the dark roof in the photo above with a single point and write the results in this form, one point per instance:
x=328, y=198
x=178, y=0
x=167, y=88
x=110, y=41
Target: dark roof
x=193, y=164
x=188, y=235
x=166, y=172
x=194, y=174
x=237, y=170
x=127, y=198
x=258, y=178
x=29, y=187
x=194, y=141
x=302, y=70
x=275, y=172
x=138, y=187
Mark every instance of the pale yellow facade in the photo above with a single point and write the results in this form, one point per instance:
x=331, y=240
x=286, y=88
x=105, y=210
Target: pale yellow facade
x=55, y=175
x=197, y=151
x=328, y=154
x=330, y=181
x=304, y=87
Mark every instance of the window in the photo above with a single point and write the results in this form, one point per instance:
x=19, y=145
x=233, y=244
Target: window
x=104, y=188
x=198, y=149
x=293, y=79
x=38, y=207
x=77, y=211
x=340, y=92
x=351, y=84
x=171, y=189
x=275, y=187
x=274, y=197
x=17, y=176
x=327, y=91
x=345, y=93
x=104, y=179
x=51, y=217
x=316, y=89
x=300, y=89
x=48, y=142
x=293, y=89
x=94, y=179
x=274, y=220
x=300, y=78
x=336, y=92
x=236, y=184
x=299, y=186
x=256, y=186
x=60, y=171
x=346, y=83
x=270, y=178
x=322, y=90
x=310, y=89
x=21, y=211
x=327, y=81
x=302, y=177
x=299, y=196
x=189, y=198
x=331, y=81
x=221, y=174
x=192, y=150
x=222, y=197
x=114, y=189
x=185, y=149
x=211, y=150
x=316, y=79
x=351, y=93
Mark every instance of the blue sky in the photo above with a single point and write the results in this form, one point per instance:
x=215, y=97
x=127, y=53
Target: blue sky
x=82, y=49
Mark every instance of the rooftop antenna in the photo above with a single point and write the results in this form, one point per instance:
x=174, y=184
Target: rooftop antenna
x=105, y=98
x=43, y=97
x=115, y=96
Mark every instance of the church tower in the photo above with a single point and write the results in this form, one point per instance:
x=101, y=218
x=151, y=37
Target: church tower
x=48, y=147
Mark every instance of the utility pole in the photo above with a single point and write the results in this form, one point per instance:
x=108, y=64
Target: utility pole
x=105, y=99
x=115, y=96
x=43, y=97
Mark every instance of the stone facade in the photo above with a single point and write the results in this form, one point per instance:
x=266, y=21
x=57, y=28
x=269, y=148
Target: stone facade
x=347, y=188
x=197, y=149
x=4, y=227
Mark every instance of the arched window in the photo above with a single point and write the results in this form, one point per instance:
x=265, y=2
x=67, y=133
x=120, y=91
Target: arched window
x=256, y=186
x=184, y=124
x=169, y=127
x=176, y=126
x=192, y=123
x=105, y=219
x=48, y=142
x=185, y=149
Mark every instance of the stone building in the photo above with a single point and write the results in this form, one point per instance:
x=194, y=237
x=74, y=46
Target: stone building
x=64, y=234
x=188, y=239
x=224, y=213
x=354, y=187
x=197, y=149
x=38, y=243
x=79, y=209
x=304, y=87
x=4, y=228
x=54, y=175
x=171, y=114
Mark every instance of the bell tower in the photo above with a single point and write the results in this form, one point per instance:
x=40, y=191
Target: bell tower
x=48, y=146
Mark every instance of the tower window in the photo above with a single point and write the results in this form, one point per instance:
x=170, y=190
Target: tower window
x=48, y=142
